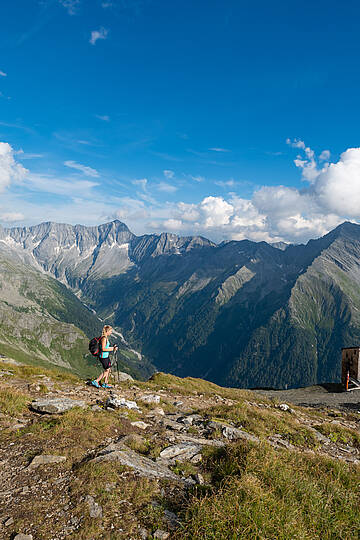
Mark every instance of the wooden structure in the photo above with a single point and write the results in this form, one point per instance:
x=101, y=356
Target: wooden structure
x=350, y=368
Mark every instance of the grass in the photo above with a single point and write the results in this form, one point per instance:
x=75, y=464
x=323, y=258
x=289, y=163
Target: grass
x=263, y=422
x=340, y=434
x=75, y=431
x=190, y=385
x=121, y=497
x=30, y=372
x=12, y=401
x=259, y=493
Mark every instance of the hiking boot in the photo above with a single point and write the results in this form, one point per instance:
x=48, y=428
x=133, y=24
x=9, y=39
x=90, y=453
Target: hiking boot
x=105, y=385
x=95, y=383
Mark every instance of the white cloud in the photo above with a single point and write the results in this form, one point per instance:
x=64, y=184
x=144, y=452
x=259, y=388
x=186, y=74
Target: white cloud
x=142, y=183
x=198, y=178
x=296, y=143
x=10, y=170
x=172, y=224
x=166, y=188
x=3, y=74
x=219, y=149
x=59, y=186
x=169, y=174
x=337, y=187
x=216, y=211
x=103, y=117
x=102, y=33
x=325, y=155
x=11, y=216
x=227, y=184
x=70, y=5
x=88, y=171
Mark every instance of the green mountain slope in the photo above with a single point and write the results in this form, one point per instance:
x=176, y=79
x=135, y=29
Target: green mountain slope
x=42, y=322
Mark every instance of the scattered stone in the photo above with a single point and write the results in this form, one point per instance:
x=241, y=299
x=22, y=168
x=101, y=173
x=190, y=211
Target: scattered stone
x=8, y=521
x=34, y=387
x=110, y=486
x=116, y=402
x=199, y=479
x=4, y=373
x=150, y=398
x=196, y=459
x=178, y=403
x=171, y=520
x=140, y=464
x=233, y=434
x=56, y=405
x=181, y=452
x=140, y=424
x=121, y=376
x=143, y=533
x=190, y=420
x=159, y=410
x=22, y=536
x=161, y=535
x=285, y=407
x=95, y=510
x=45, y=460
x=96, y=408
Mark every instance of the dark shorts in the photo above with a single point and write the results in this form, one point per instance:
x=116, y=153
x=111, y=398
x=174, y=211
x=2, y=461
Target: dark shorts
x=106, y=362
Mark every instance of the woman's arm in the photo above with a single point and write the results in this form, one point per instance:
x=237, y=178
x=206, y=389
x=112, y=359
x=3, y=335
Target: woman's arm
x=103, y=345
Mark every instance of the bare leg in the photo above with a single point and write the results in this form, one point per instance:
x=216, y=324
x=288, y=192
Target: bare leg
x=106, y=374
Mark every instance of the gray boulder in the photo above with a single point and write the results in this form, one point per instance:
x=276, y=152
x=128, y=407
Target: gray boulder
x=140, y=464
x=46, y=460
x=182, y=452
x=56, y=405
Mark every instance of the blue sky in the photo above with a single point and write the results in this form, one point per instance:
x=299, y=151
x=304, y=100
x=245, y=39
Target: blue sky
x=231, y=119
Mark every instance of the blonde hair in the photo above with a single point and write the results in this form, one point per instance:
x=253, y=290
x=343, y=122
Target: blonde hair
x=106, y=328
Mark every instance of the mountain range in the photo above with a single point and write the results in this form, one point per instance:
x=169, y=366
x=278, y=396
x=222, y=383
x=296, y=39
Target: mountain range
x=241, y=313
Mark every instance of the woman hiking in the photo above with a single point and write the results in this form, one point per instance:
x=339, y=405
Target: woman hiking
x=105, y=349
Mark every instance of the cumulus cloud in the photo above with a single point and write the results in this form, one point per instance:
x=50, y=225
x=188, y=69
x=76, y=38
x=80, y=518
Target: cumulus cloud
x=10, y=170
x=88, y=171
x=102, y=33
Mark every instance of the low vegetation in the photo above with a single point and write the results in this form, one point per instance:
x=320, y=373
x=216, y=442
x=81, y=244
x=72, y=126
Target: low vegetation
x=259, y=493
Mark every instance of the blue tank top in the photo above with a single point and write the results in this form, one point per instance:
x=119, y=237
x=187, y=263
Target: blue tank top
x=105, y=354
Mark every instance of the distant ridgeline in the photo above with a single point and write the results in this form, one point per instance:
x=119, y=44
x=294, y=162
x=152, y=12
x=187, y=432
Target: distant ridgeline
x=240, y=314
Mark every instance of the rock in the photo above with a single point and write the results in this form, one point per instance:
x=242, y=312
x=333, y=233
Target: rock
x=22, y=536
x=96, y=408
x=234, y=434
x=95, y=510
x=150, y=398
x=171, y=520
x=140, y=464
x=214, y=426
x=34, y=387
x=196, y=459
x=116, y=402
x=121, y=376
x=285, y=407
x=178, y=403
x=45, y=460
x=158, y=410
x=199, y=479
x=143, y=533
x=56, y=405
x=190, y=420
x=8, y=521
x=140, y=424
x=161, y=535
x=181, y=452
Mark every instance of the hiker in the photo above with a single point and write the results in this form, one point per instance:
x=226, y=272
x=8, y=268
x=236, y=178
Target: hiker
x=105, y=349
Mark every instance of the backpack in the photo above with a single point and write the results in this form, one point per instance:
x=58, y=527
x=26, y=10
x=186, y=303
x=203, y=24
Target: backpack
x=95, y=346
